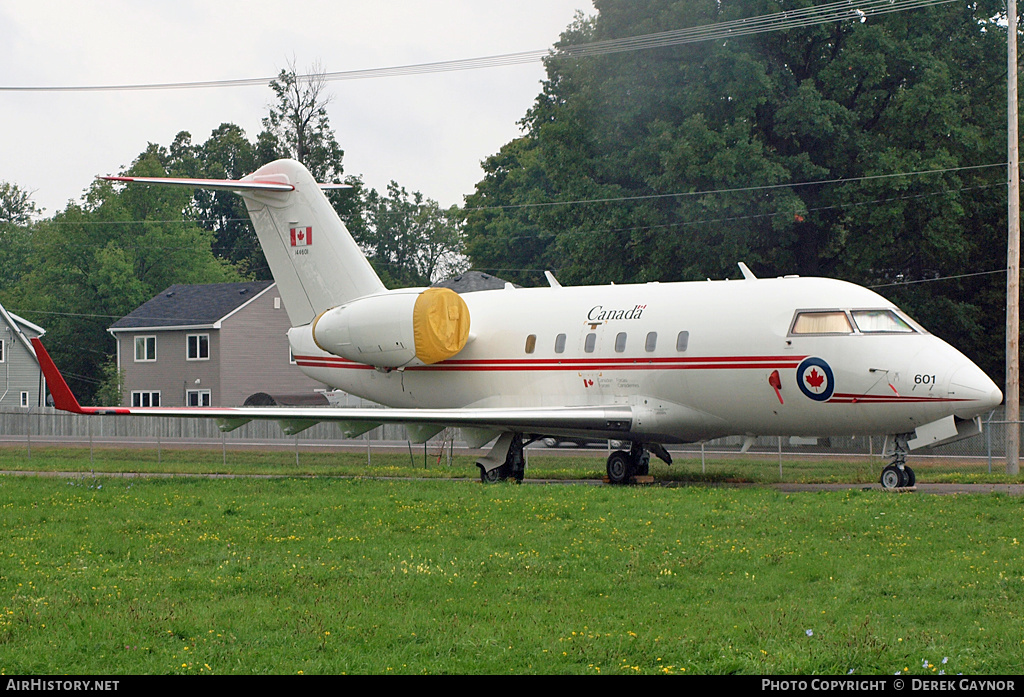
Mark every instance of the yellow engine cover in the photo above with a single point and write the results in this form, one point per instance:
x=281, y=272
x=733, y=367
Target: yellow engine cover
x=440, y=324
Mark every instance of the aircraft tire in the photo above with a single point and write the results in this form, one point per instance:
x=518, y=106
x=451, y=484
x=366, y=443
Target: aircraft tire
x=911, y=477
x=619, y=467
x=893, y=478
x=498, y=474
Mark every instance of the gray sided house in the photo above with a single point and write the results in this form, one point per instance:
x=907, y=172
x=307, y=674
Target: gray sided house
x=207, y=345
x=21, y=381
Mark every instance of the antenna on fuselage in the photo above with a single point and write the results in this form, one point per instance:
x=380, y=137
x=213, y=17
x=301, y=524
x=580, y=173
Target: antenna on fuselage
x=747, y=273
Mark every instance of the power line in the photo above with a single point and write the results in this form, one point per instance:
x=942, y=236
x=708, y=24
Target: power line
x=754, y=216
x=844, y=10
x=612, y=199
x=706, y=192
x=940, y=278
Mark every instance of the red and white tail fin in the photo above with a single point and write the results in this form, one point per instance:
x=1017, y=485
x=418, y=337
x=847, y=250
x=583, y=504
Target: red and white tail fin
x=315, y=261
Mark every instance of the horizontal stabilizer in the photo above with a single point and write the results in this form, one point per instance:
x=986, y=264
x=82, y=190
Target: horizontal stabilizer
x=219, y=184
x=215, y=184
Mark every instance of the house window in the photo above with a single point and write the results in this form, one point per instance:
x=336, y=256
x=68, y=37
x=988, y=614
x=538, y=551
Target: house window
x=145, y=348
x=198, y=347
x=197, y=398
x=24, y=399
x=146, y=398
x=2, y=354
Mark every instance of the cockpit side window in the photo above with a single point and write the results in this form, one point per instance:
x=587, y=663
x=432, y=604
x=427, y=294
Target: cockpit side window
x=881, y=321
x=826, y=322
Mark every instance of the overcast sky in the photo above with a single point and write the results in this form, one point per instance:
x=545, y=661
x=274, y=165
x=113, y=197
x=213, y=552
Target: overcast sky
x=427, y=132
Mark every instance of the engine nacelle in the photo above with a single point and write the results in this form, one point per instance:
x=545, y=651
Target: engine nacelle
x=397, y=329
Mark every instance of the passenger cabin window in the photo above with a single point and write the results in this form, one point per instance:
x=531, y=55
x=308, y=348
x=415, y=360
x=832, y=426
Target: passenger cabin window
x=832, y=322
x=620, y=342
x=880, y=321
x=590, y=343
x=560, y=343
x=531, y=343
x=651, y=342
x=682, y=341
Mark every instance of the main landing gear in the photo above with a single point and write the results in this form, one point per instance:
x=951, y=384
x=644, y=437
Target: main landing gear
x=897, y=475
x=512, y=467
x=506, y=460
x=622, y=465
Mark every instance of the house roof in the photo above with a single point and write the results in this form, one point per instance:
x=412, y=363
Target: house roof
x=17, y=324
x=184, y=306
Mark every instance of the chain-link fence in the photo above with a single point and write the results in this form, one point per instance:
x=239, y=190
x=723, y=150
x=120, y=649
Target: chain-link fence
x=981, y=454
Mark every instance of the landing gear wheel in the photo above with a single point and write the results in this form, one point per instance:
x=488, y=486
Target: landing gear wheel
x=894, y=478
x=619, y=467
x=498, y=474
x=911, y=477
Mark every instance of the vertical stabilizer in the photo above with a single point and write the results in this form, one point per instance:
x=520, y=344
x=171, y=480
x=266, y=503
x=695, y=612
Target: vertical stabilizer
x=315, y=261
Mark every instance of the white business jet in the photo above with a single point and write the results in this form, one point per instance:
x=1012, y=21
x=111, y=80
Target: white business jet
x=651, y=364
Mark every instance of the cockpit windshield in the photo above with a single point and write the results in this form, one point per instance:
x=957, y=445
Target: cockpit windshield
x=878, y=321
x=820, y=322
x=834, y=322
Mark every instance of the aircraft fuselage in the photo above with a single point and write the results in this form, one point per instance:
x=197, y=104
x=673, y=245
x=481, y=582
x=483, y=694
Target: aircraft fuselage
x=695, y=360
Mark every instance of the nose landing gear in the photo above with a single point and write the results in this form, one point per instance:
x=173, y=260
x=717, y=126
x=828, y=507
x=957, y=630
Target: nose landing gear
x=897, y=475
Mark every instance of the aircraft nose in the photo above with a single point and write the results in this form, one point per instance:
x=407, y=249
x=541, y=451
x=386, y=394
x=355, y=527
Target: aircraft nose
x=970, y=382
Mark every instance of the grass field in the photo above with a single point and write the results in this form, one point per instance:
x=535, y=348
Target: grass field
x=326, y=575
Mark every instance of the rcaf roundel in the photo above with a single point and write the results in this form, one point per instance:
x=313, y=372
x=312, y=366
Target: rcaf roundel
x=814, y=378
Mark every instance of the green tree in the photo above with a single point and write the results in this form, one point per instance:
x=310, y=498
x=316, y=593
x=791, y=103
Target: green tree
x=16, y=205
x=298, y=127
x=16, y=212
x=409, y=239
x=97, y=261
x=708, y=152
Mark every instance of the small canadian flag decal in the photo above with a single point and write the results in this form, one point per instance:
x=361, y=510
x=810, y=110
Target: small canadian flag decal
x=302, y=236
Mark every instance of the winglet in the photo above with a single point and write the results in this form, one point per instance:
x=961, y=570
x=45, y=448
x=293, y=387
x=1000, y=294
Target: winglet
x=63, y=398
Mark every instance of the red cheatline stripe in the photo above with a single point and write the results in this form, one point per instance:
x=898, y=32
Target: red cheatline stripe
x=564, y=366
x=885, y=399
x=554, y=364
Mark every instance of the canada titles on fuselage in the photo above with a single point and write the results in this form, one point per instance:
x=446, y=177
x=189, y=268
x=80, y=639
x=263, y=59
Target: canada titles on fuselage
x=599, y=314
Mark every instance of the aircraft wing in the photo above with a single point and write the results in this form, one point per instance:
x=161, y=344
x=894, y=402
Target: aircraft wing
x=596, y=422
